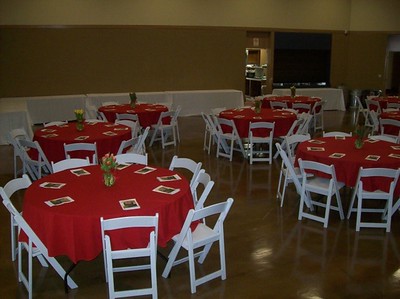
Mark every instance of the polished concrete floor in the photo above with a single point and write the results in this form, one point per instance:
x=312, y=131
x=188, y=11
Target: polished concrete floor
x=269, y=253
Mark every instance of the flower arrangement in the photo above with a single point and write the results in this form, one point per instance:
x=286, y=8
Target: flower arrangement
x=79, y=115
x=293, y=91
x=133, y=98
x=108, y=163
x=360, y=133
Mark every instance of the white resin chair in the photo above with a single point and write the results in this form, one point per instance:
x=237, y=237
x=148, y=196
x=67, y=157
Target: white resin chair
x=165, y=129
x=328, y=187
x=111, y=256
x=69, y=164
x=34, y=248
x=363, y=196
x=230, y=137
x=261, y=134
x=202, y=237
x=188, y=164
x=336, y=134
x=131, y=124
x=37, y=164
x=90, y=148
x=13, y=137
x=132, y=158
x=289, y=173
x=203, y=184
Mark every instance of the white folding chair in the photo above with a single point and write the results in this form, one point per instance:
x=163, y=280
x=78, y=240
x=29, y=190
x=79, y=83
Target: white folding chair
x=13, y=137
x=231, y=136
x=328, y=187
x=277, y=105
x=6, y=193
x=130, y=117
x=133, y=125
x=210, y=132
x=384, y=122
x=302, y=107
x=203, y=179
x=34, y=248
x=289, y=173
x=318, y=115
x=132, y=158
x=165, y=129
x=360, y=110
x=69, y=164
x=188, y=164
x=202, y=237
x=336, y=134
x=89, y=148
x=390, y=176
x=55, y=123
x=37, y=164
x=261, y=134
x=111, y=255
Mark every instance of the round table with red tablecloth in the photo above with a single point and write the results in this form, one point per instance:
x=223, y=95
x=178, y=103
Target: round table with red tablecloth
x=108, y=138
x=148, y=114
x=73, y=229
x=243, y=116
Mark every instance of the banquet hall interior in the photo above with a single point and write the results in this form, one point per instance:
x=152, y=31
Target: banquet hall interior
x=93, y=47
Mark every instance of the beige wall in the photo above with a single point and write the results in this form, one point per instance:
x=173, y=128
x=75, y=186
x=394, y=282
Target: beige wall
x=62, y=47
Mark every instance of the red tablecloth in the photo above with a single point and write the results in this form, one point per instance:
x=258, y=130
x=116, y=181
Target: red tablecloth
x=347, y=167
x=383, y=101
x=289, y=100
x=52, y=138
x=73, y=229
x=392, y=130
x=243, y=116
x=148, y=114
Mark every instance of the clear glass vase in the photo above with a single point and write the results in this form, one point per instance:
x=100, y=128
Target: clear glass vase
x=109, y=179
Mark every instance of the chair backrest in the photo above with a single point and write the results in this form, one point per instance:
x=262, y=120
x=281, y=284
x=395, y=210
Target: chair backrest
x=310, y=167
x=34, y=167
x=133, y=125
x=69, y=164
x=388, y=122
x=373, y=105
x=14, y=185
x=203, y=179
x=129, y=158
x=261, y=129
x=302, y=107
x=186, y=163
x=290, y=168
x=127, y=116
x=336, y=133
x=81, y=146
x=277, y=104
x=292, y=142
x=55, y=123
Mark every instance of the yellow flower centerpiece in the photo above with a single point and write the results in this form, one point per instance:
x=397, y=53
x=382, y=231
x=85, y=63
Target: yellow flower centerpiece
x=79, y=115
x=108, y=164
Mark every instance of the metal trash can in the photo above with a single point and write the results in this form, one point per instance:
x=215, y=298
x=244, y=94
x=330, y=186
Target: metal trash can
x=353, y=94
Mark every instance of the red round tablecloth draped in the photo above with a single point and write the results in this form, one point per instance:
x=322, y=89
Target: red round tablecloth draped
x=107, y=136
x=289, y=100
x=243, y=116
x=347, y=167
x=73, y=229
x=148, y=114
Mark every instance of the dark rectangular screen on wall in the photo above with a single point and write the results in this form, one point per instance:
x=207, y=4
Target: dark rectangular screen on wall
x=302, y=59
